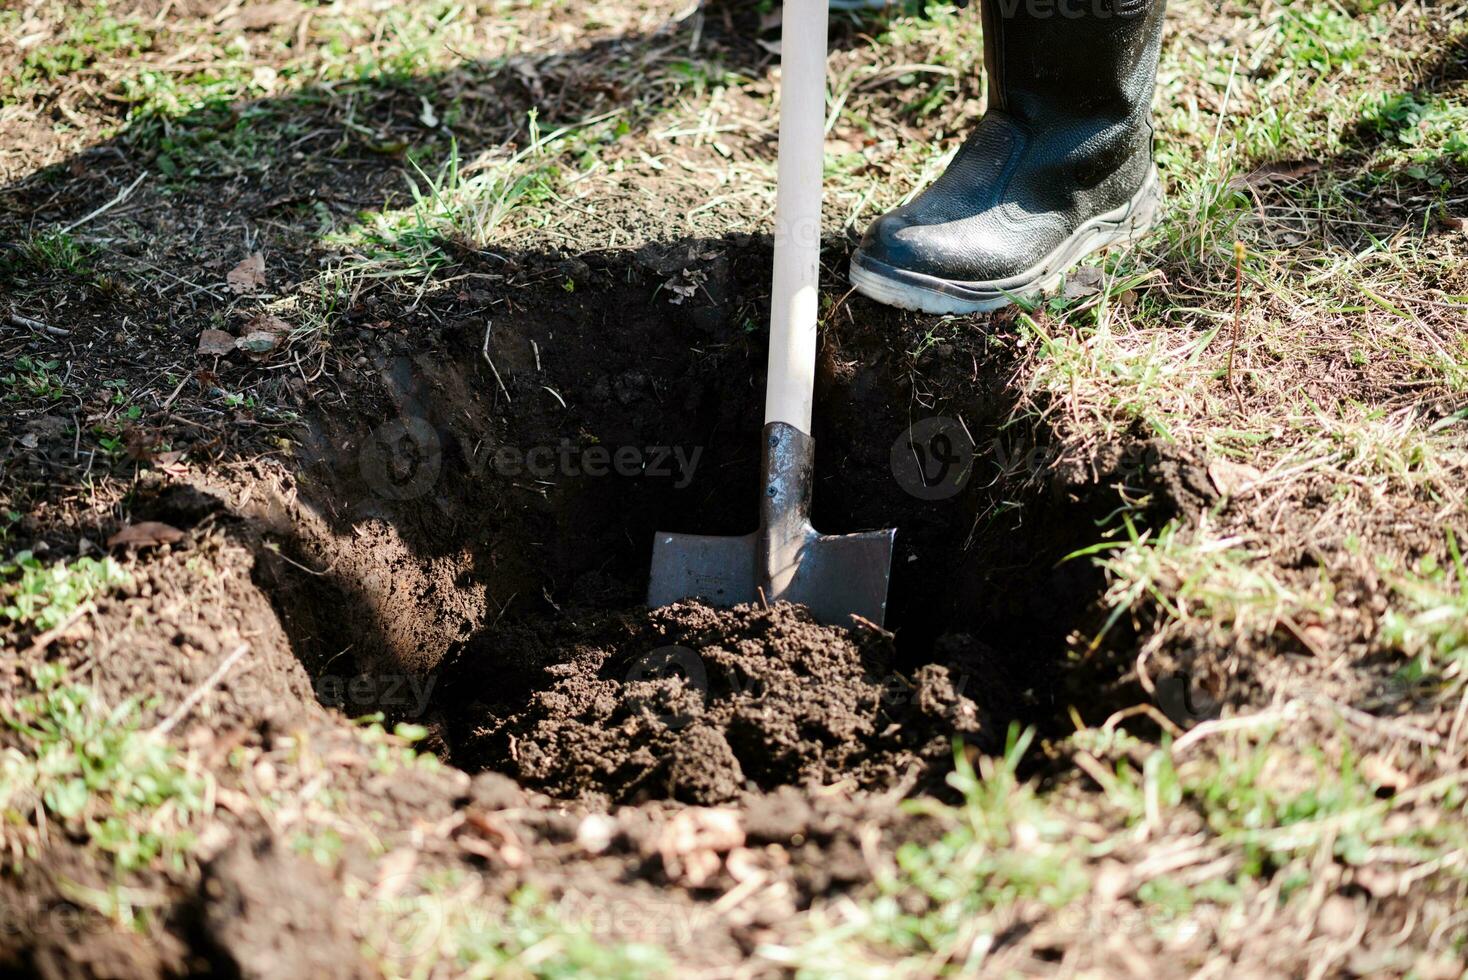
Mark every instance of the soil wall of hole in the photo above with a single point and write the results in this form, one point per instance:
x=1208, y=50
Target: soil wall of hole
x=450, y=516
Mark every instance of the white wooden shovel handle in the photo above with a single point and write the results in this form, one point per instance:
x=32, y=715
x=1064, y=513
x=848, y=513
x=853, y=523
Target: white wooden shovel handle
x=794, y=297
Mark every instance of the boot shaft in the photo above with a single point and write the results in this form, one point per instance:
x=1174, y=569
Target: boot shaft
x=1054, y=62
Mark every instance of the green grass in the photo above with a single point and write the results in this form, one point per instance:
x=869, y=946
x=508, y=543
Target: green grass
x=89, y=34
x=1423, y=128
x=1324, y=37
x=52, y=252
x=91, y=771
x=42, y=596
x=1431, y=627
x=1191, y=575
x=1002, y=848
x=459, y=203
x=441, y=926
x=1248, y=812
x=32, y=377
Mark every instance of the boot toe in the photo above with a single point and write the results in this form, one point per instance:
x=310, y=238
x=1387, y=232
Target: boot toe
x=902, y=241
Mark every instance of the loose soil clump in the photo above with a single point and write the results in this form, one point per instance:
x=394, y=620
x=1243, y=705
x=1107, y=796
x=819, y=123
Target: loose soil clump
x=698, y=704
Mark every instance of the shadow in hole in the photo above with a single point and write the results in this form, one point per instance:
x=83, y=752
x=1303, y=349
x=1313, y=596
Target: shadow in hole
x=452, y=484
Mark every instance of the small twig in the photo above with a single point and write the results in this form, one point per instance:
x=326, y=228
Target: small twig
x=1242, y=723
x=198, y=693
x=1163, y=722
x=274, y=549
x=1092, y=767
x=121, y=196
x=1299, y=634
x=488, y=326
x=47, y=638
x=862, y=621
x=1458, y=718
x=24, y=321
x=169, y=401
x=1386, y=726
x=764, y=603
x=1239, y=252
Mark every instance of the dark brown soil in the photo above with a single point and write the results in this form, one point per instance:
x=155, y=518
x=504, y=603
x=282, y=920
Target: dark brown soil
x=699, y=705
x=268, y=912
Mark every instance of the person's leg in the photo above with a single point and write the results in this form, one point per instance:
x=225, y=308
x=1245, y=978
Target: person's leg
x=1059, y=167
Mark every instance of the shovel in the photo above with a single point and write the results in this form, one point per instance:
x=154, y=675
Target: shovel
x=836, y=576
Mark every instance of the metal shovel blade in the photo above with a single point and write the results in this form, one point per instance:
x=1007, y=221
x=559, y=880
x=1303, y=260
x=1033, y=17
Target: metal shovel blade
x=835, y=575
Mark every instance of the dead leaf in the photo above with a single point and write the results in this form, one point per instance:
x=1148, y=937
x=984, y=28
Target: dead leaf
x=258, y=17
x=267, y=323
x=248, y=276
x=215, y=343
x=1453, y=222
x=492, y=838
x=394, y=873
x=1232, y=478
x=1083, y=282
x=145, y=534
x=1280, y=170
x=258, y=342
x=681, y=291
x=263, y=334
x=1382, y=773
x=691, y=843
x=47, y=428
x=139, y=443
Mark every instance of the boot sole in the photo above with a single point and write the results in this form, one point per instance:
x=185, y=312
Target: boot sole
x=932, y=294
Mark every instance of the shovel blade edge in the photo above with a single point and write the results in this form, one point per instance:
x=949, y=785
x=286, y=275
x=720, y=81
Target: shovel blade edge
x=716, y=568
x=844, y=574
x=836, y=575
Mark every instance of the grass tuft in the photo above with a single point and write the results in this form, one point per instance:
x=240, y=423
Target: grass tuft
x=43, y=596
x=92, y=772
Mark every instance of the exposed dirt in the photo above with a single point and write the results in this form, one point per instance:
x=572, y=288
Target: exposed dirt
x=697, y=704
x=268, y=912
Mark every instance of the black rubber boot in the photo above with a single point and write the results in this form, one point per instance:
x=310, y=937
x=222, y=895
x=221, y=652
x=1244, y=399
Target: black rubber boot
x=1059, y=167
